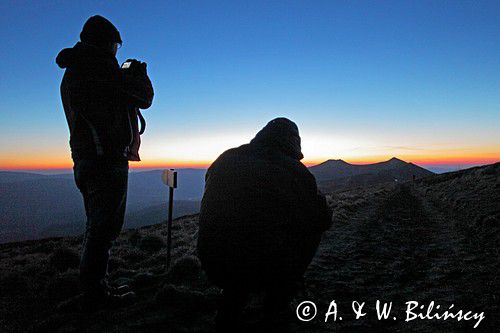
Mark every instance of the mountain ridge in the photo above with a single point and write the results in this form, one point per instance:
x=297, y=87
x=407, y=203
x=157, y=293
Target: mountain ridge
x=338, y=174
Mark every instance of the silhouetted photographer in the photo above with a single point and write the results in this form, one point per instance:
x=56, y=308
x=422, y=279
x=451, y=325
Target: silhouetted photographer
x=261, y=221
x=101, y=101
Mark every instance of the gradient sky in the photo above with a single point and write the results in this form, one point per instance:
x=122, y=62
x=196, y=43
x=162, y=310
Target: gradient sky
x=364, y=80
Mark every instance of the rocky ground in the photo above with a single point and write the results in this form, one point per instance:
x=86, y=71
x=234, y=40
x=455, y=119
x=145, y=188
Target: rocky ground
x=436, y=239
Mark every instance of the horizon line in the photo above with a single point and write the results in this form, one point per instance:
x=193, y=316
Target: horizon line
x=205, y=164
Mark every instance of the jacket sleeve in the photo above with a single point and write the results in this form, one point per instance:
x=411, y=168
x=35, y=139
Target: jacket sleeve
x=325, y=213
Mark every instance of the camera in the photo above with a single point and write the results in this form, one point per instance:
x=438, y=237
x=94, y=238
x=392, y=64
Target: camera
x=126, y=64
x=134, y=67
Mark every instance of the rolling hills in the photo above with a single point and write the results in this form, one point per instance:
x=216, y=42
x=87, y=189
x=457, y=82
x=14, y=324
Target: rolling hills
x=36, y=206
x=433, y=239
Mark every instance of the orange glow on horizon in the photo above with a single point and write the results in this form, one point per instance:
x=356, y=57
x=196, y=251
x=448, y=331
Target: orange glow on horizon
x=419, y=161
x=21, y=165
x=156, y=164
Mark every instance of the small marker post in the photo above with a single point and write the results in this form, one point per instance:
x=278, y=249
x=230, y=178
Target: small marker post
x=169, y=178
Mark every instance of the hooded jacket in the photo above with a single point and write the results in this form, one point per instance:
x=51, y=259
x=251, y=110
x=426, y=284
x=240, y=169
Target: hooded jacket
x=261, y=216
x=100, y=101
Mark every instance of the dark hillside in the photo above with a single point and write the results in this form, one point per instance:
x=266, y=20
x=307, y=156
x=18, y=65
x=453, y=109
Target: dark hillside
x=13, y=176
x=36, y=206
x=436, y=239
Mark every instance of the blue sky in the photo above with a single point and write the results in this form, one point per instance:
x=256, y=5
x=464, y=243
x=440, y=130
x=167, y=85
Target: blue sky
x=364, y=80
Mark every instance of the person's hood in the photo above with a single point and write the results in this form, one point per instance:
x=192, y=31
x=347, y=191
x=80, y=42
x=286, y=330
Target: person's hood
x=281, y=134
x=84, y=55
x=99, y=31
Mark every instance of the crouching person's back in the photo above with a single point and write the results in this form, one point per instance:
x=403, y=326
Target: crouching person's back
x=260, y=222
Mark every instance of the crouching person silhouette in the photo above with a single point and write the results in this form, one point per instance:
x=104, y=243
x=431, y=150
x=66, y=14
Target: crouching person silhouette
x=261, y=221
x=101, y=102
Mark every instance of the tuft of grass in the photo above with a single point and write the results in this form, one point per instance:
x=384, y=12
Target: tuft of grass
x=151, y=244
x=185, y=270
x=132, y=256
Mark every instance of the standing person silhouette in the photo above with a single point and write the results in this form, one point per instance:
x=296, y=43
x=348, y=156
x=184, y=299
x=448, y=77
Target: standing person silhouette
x=101, y=102
x=261, y=221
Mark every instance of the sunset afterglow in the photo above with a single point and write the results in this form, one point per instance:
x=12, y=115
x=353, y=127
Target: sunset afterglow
x=396, y=79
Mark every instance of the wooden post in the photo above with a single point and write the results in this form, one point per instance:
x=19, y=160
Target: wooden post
x=169, y=178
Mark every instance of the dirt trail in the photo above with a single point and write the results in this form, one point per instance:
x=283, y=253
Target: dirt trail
x=397, y=248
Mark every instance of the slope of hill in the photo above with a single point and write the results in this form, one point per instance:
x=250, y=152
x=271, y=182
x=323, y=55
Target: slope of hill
x=146, y=188
x=337, y=174
x=138, y=218
x=34, y=206
x=26, y=207
x=471, y=197
x=14, y=176
x=435, y=239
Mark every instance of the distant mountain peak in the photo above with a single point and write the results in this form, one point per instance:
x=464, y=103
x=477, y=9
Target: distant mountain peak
x=396, y=161
x=336, y=161
x=393, y=168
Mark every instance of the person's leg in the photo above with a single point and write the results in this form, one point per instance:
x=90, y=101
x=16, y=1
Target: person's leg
x=104, y=188
x=116, y=228
x=230, y=308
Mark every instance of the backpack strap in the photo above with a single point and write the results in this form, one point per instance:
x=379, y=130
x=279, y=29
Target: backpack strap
x=143, y=122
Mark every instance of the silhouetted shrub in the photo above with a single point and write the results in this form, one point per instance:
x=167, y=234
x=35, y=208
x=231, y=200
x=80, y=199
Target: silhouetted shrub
x=186, y=269
x=151, y=244
x=63, y=259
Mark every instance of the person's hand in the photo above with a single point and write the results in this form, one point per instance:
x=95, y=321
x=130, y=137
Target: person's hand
x=136, y=66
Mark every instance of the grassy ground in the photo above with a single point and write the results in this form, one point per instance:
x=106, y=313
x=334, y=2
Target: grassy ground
x=432, y=240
